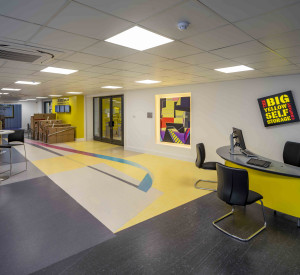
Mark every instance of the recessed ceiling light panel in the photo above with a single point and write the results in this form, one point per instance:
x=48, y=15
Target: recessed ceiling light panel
x=55, y=95
x=40, y=97
x=139, y=39
x=234, y=69
x=148, y=81
x=74, y=93
x=111, y=87
x=10, y=89
x=28, y=82
x=58, y=70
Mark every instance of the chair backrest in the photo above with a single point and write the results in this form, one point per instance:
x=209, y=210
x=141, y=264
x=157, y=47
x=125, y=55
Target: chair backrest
x=200, y=154
x=18, y=135
x=233, y=185
x=291, y=153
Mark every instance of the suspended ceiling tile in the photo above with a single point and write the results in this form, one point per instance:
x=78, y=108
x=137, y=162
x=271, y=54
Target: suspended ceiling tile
x=289, y=52
x=171, y=64
x=16, y=29
x=36, y=11
x=295, y=59
x=285, y=40
x=218, y=38
x=246, y=48
x=280, y=69
x=15, y=71
x=109, y=50
x=276, y=22
x=87, y=59
x=22, y=65
x=63, y=40
x=270, y=63
x=83, y=20
x=236, y=10
x=70, y=65
x=259, y=57
x=174, y=50
x=220, y=64
x=200, y=17
x=201, y=58
x=132, y=10
x=144, y=59
x=101, y=70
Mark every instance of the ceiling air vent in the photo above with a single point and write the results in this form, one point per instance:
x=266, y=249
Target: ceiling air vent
x=27, y=53
x=16, y=56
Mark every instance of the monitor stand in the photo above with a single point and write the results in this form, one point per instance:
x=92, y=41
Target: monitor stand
x=232, y=145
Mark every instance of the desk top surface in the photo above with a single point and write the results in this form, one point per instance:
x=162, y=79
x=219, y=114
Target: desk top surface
x=6, y=132
x=276, y=167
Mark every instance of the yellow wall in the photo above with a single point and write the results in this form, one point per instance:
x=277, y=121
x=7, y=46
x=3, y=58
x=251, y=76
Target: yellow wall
x=76, y=117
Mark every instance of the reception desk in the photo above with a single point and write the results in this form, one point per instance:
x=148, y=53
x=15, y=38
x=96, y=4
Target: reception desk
x=279, y=184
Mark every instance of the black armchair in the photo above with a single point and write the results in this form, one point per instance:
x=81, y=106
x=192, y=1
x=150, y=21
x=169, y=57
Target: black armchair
x=15, y=139
x=203, y=165
x=233, y=188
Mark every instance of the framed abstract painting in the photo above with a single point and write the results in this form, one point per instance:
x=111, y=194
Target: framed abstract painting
x=173, y=119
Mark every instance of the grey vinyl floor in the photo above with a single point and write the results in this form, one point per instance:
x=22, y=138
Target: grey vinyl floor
x=184, y=241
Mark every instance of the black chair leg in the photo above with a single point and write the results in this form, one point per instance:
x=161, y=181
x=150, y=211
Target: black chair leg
x=10, y=162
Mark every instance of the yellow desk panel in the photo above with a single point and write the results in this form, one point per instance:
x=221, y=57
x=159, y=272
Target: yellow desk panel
x=280, y=193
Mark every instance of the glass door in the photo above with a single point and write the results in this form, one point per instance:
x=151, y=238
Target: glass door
x=108, y=118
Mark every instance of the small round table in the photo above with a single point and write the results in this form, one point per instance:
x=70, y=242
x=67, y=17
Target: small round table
x=4, y=132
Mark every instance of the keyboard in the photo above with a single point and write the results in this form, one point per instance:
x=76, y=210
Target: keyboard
x=259, y=162
x=248, y=153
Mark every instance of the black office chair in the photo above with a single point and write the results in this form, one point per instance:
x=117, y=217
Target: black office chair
x=291, y=153
x=14, y=139
x=203, y=165
x=233, y=188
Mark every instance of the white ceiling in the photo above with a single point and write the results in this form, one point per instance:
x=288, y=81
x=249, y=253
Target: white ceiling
x=263, y=34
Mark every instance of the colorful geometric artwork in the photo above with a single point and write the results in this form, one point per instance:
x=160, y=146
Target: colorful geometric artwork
x=175, y=120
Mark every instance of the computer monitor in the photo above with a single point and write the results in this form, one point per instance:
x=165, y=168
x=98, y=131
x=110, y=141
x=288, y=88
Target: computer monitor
x=57, y=109
x=238, y=137
x=61, y=108
x=67, y=108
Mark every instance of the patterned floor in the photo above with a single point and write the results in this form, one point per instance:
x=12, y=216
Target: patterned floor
x=108, y=186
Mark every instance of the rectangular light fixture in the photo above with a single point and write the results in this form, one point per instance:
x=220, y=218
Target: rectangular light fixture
x=58, y=70
x=10, y=89
x=6, y=93
x=148, y=81
x=28, y=82
x=111, y=87
x=22, y=100
x=31, y=99
x=74, y=93
x=234, y=69
x=40, y=97
x=55, y=95
x=139, y=39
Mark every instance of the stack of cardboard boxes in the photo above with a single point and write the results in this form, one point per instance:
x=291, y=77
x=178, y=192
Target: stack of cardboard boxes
x=47, y=129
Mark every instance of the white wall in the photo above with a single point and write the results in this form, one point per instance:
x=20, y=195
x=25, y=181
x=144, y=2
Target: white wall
x=216, y=107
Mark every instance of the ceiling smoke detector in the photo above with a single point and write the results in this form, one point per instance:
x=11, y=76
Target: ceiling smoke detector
x=183, y=25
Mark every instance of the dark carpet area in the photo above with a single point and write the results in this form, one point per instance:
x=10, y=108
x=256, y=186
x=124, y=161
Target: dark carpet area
x=40, y=225
x=183, y=241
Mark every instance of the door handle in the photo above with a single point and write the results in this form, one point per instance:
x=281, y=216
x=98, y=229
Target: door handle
x=112, y=124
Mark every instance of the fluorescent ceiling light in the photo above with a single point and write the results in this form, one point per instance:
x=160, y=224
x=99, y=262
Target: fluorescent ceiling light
x=74, y=93
x=55, y=95
x=148, y=81
x=5, y=93
x=28, y=82
x=31, y=99
x=41, y=97
x=234, y=69
x=139, y=39
x=10, y=89
x=111, y=87
x=22, y=100
x=58, y=70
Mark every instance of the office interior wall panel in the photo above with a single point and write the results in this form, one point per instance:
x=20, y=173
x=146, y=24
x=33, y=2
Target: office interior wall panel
x=215, y=108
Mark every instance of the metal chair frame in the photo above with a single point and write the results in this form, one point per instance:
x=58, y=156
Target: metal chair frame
x=237, y=237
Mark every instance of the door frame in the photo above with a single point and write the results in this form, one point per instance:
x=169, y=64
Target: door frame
x=110, y=140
